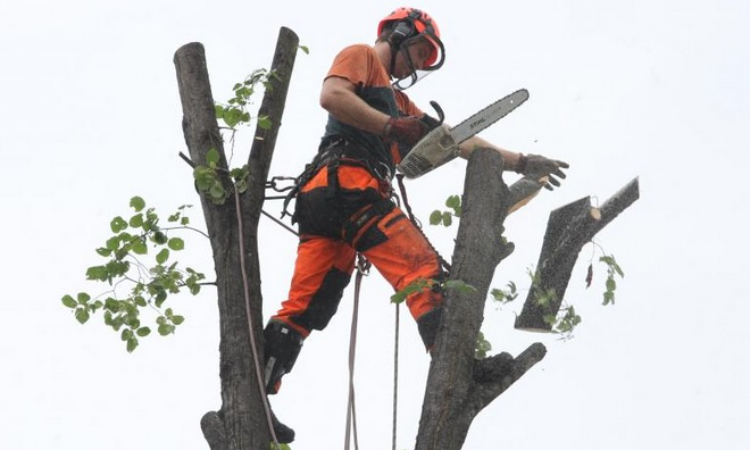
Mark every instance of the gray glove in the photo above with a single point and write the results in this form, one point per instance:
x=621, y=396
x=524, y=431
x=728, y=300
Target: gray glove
x=538, y=166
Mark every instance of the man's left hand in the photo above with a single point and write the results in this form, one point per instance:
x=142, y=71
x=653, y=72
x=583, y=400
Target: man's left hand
x=538, y=166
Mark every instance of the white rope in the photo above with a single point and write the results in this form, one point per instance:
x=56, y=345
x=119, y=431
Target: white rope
x=395, y=378
x=253, y=345
x=351, y=412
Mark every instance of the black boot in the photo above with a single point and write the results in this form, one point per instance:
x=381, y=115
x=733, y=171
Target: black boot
x=283, y=344
x=284, y=434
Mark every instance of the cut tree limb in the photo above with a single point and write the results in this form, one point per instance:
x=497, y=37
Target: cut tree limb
x=568, y=230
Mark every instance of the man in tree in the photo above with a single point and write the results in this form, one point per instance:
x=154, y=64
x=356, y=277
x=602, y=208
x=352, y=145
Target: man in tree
x=343, y=200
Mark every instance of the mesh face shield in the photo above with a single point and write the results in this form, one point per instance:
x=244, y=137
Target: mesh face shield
x=433, y=63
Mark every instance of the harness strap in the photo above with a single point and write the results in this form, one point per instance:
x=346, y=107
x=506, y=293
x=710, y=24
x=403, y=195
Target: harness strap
x=334, y=152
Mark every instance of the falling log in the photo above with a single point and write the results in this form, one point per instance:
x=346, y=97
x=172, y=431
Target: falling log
x=569, y=228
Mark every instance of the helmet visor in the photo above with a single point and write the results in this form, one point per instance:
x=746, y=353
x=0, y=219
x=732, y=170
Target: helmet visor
x=432, y=62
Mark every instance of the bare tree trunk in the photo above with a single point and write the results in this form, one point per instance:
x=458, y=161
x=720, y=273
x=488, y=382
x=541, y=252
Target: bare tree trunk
x=458, y=386
x=240, y=424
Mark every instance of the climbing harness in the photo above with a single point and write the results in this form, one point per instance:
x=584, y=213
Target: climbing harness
x=333, y=160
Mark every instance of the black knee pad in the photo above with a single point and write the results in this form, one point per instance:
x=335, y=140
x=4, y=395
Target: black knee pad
x=325, y=302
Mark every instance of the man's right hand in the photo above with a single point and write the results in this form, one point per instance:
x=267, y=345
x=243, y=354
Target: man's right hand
x=405, y=130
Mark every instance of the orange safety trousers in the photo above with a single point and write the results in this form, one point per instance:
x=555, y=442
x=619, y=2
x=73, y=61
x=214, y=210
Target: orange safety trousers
x=343, y=210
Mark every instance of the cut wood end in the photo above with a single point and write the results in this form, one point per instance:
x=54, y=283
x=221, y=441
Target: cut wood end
x=596, y=213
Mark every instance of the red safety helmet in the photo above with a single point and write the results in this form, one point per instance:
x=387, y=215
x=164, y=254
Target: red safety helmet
x=414, y=23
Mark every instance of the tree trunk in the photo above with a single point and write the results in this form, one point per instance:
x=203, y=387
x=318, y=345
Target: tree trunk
x=458, y=386
x=241, y=423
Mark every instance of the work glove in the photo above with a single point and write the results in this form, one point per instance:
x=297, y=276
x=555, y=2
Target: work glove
x=538, y=167
x=405, y=130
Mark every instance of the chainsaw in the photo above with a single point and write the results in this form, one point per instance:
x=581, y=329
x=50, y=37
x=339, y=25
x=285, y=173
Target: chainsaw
x=440, y=145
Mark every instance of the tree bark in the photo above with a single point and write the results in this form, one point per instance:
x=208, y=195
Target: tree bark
x=458, y=386
x=241, y=423
x=568, y=230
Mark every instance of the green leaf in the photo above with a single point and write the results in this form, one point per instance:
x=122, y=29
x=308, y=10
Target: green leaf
x=136, y=221
x=212, y=157
x=413, y=287
x=111, y=304
x=126, y=334
x=165, y=329
x=139, y=247
x=68, y=301
x=447, y=219
x=159, y=238
x=304, y=49
x=177, y=320
x=453, y=202
x=143, y=331
x=162, y=256
x=159, y=298
x=83, y=298
x=280, y=446
x=204, y=177
x=102, y=251
x=176, y=244
x=232, y=117
x=611, y=284
x=117, y=268
x=185, y=221
x=97, y=273
x=459, y=286
x=132, y=344
x=113, y=243
x=498, y=295
x=118, y=224
x=82, y=315
x=219, y=112
x=137, y=203
x=550, y=319
x=264, y=123
x=132, y=321
x=436, y=217
x=216, y=191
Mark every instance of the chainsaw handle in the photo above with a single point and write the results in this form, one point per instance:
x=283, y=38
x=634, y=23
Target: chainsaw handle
x=438, y=111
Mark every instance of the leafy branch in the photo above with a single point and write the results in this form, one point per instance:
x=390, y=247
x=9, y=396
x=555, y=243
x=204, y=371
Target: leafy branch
x=149, y=286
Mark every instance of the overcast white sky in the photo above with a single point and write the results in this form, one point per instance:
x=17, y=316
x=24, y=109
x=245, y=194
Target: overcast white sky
x=90, y=116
